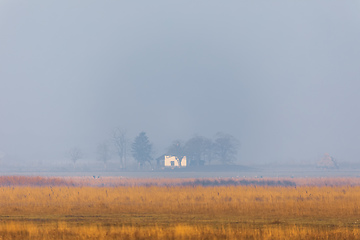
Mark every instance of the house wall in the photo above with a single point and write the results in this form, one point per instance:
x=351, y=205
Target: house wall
x=171, y=161
x=183, y=161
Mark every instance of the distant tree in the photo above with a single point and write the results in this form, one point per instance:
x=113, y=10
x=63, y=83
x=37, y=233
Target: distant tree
x=103, y=153
x=141, y=149
x=177, y=150
x=198, y=150
x=2, y=155
x=75, y=154
x=121, y=144
x=327, y=162
x=207, y=150
x=226, y=148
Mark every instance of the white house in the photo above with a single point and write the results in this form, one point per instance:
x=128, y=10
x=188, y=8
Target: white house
x=172, y=161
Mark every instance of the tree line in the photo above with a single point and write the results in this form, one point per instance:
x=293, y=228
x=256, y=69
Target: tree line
x=199, y=150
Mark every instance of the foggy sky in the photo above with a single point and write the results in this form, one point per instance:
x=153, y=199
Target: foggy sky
x=281, y=76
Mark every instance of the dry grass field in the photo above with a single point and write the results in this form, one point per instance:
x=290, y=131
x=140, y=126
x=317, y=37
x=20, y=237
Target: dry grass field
x=116, y=208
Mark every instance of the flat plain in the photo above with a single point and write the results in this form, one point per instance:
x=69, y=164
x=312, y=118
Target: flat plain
x=123, y=208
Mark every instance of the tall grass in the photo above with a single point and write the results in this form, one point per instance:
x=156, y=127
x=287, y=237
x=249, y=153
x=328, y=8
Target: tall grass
x=134, y=210
x=97, y=181
x=249, y=201
x=63, y=230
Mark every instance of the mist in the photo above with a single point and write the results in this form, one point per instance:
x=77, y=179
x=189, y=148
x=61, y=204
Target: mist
x=282, y=77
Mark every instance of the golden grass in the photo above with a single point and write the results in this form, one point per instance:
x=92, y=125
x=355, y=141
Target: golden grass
x=225, y=200
x=181, y=212
x=121, y=181
x=63, y=230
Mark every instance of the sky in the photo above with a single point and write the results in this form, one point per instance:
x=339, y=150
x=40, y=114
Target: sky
x=280, y=76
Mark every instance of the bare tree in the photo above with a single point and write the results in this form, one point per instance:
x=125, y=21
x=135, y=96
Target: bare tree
x=103, y=153
x=199, y=149
x=121, y=144
x=226, y=148
x=75, y=154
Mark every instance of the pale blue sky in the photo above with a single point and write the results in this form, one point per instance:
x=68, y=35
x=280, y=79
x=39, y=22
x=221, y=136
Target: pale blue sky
x=281, y=76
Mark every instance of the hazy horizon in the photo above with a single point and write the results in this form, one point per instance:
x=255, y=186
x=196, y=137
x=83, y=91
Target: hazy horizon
x=282, y=77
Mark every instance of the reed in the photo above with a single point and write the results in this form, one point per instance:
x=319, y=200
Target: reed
x=179, y=211
x=63, y=230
